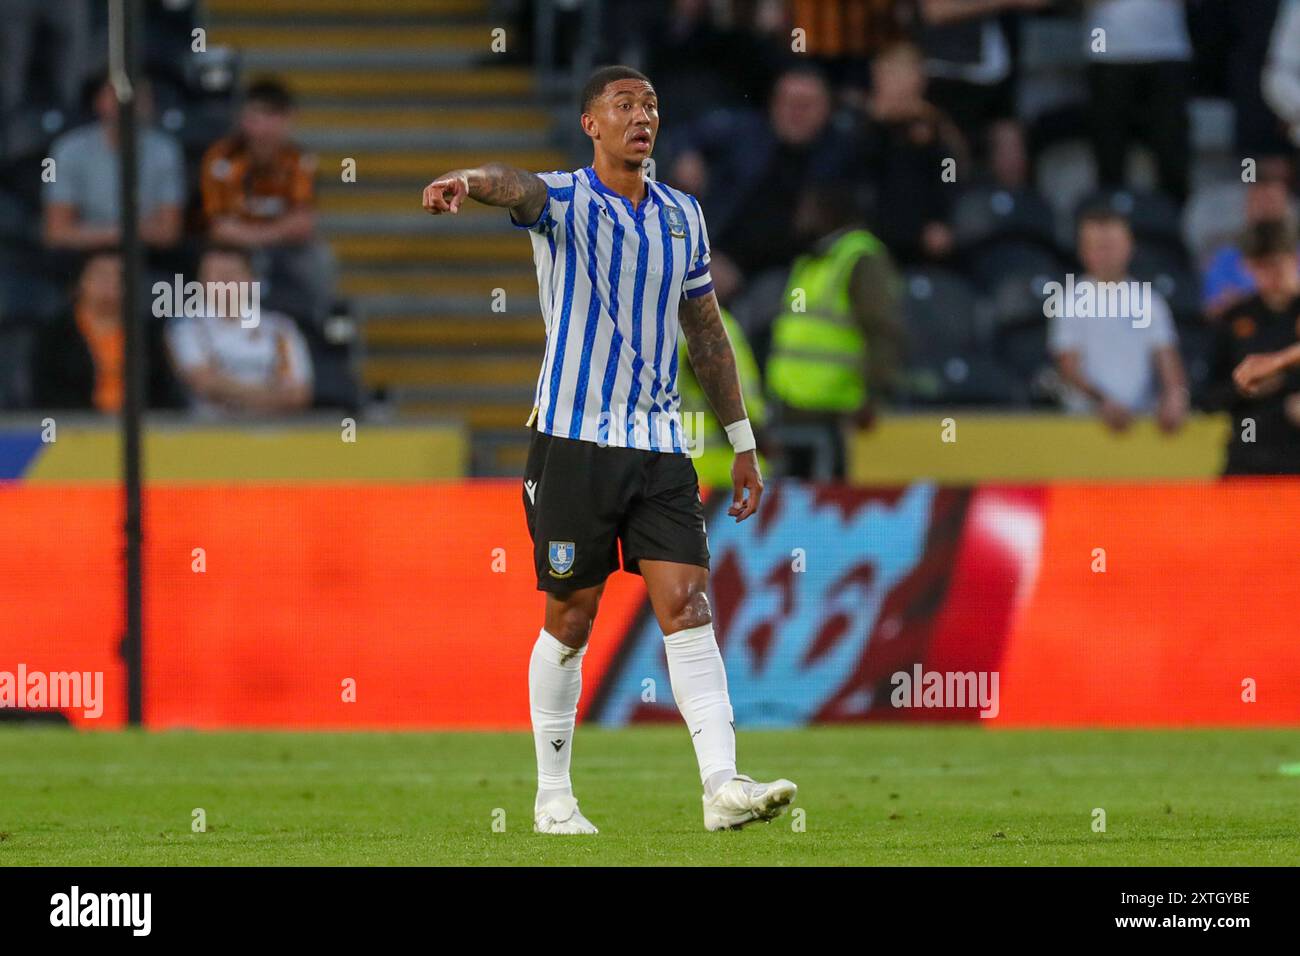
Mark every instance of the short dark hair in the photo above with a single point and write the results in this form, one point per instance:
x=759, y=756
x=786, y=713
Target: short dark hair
x=1269, y=238
x=604, y=76
x=1102, y=214
x=270, y=93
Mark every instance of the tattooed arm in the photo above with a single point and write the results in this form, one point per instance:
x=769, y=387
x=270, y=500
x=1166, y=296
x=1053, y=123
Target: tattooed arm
x=714, y=364
x=495, y=184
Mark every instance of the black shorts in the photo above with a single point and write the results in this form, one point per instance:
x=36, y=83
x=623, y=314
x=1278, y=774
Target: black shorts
x=582, y=500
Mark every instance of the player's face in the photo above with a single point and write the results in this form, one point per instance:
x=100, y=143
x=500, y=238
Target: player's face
x=625, y=120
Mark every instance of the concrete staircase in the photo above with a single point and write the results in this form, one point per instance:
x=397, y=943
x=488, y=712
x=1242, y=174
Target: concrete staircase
x=409, y=89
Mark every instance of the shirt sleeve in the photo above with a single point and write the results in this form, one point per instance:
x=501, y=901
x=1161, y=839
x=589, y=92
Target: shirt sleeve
x=183, y=341
x=698, y=280
x=1161, y=330
x=559, y=188
x=1063, y=335
x=62, y=189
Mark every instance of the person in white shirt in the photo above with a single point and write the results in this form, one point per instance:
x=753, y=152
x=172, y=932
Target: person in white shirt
x=233, y=364
x=1122, y=362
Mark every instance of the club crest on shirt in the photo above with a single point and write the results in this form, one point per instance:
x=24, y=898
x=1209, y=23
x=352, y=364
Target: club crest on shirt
x=561, y=557
x=676, y=220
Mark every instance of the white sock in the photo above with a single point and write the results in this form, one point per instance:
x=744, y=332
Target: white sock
x=700, y=689
x=554, y=686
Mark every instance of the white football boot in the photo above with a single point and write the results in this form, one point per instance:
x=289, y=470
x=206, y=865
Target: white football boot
x=561, y=815
x=741, y=801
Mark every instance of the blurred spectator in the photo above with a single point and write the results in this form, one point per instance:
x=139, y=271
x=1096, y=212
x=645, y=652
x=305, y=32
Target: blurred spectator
x=1282, y=71
x=1230, y=41
x=68, y=24
x=1117, y=365
x=259, y=194
x=1227, y=279
x=907, y=141
x=968, y=58
x=1139, y=78
x=1264, y=437
x=229, y=368
x=835, y=345
x=77, y=362
x=746, y=167
x=81, y=203
x=699, y=66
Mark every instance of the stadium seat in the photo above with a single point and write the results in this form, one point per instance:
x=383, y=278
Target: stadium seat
x=939, y=312
x=18, y=221
x=1023, y=350
x=1196, y=345
x=963, y=379
x=27, y=296
x=15, y=356
x=1018, y=300
x=984, y=213
x=1065, y=172
x=1213, y=217
x=947, y=330
x=1180, y=288
x=992, y=263
x=332, y=354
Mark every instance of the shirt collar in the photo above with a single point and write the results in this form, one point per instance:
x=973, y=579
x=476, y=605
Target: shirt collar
x=604, y=190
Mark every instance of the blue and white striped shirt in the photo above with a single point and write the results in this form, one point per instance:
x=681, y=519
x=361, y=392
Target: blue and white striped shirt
x=610, y=280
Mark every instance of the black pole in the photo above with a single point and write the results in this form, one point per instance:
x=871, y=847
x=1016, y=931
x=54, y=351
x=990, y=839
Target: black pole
x=124, y=17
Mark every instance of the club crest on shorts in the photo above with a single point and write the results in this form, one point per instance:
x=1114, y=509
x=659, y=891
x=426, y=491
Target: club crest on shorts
x=676, y=220
x=561, y=557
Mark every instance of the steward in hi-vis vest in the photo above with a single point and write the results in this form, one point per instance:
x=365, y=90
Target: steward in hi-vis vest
x=836, y=339
x=819, y=358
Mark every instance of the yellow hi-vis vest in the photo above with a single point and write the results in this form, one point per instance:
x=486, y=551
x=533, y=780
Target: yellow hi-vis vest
x=818, y=355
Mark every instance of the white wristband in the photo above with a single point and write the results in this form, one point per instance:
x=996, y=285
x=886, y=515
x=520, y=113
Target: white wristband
x=741, y=436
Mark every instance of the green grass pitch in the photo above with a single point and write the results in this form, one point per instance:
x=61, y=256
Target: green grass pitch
x=877, y=795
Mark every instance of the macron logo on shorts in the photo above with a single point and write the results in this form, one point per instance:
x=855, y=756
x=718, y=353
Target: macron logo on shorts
x=531, y=488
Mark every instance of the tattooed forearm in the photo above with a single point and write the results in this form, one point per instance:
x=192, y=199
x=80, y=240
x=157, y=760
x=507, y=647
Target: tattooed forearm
x=712, y=359
x=497, y=184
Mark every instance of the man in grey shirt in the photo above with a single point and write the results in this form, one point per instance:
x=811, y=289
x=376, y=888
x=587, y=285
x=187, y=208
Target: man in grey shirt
x=81, y=201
